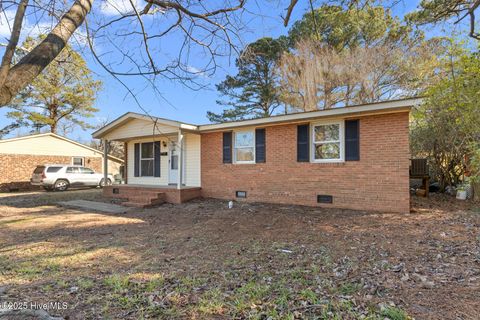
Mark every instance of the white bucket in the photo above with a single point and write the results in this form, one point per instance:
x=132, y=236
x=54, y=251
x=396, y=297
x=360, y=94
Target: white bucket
x=461, y=195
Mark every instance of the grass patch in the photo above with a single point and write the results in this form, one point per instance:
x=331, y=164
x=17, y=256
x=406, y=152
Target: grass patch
x=394, y=313
x=117, y=283
x=29, y=271
x=349, y=288
x=17, y=221
x=309, y=295
x=85, y=283
x=212, y=302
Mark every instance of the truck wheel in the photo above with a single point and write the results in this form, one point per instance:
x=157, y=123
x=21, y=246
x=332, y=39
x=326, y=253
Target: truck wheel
x=61, y=185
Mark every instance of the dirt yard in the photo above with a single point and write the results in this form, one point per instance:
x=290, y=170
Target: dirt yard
x=201, y=260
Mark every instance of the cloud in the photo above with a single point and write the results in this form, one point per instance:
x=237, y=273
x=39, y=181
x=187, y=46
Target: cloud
x=33, y=29
x=119, y=7
x=196, y=71
x=6, y=21
x=28, y=28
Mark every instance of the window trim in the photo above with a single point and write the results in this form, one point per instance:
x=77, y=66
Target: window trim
x=142, y=158
x=234, y=147
x=341, y=140
x=73, y=161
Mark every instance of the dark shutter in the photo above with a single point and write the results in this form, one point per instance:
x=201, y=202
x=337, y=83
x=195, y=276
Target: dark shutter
x=136, y=164
x=227, y=147
x=260, y=145
x=303, y=145
x=156, y=158
x=352, y=140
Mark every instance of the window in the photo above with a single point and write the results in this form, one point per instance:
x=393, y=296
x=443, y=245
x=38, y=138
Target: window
x=77, y=161
x=53, y=169
x=244, y=147
x=73, y=170
x=86, y=171
x=146, y=159
x=328, y=142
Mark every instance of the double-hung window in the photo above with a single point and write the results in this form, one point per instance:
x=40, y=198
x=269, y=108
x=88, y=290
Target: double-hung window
x=328, y=142
x=244, y=146
x=146, y=159
x=77, y=161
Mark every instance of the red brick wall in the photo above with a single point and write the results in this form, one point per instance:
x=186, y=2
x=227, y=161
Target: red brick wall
x=379, y=181
x=16, y=169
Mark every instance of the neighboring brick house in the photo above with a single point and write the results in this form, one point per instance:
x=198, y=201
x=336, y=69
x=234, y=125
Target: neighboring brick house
x=353, y=157
x=20, y=156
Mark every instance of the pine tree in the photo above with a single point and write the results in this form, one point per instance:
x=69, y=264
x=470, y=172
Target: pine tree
x=63, y=94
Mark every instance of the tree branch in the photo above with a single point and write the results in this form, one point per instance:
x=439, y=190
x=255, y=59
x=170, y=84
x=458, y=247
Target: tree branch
x=13, y=42
x=32, y=64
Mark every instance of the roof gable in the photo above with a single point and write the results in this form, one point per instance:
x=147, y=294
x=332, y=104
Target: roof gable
x=44, y=143
x=161, y=126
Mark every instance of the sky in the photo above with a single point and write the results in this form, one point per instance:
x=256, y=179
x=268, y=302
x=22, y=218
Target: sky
x=173, y=99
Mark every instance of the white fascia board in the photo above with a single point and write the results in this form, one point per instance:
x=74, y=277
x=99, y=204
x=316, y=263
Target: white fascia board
x=381, y=107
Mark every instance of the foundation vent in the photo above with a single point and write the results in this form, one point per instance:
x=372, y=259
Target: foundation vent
x=241, y=194
x=324, y=198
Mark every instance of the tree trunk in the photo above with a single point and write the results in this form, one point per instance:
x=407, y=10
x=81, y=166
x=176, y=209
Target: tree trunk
x=31, y=65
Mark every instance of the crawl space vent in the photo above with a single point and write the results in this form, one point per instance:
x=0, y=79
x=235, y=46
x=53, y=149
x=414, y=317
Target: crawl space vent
x=241, y=194
x=324, y=198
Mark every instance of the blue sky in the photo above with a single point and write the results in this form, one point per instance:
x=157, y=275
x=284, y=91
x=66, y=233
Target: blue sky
x=177, y=101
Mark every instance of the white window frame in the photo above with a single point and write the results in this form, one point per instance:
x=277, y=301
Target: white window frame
x=142, y=158
x=341, y=137
x=83, y=161
x=235, y=147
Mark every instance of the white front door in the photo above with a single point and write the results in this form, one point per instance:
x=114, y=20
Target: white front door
x=173, y=163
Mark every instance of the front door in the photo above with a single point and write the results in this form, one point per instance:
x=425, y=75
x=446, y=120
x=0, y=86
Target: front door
x=173, y=163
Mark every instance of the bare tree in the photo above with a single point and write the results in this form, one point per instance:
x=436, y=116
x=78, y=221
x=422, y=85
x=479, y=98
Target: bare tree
x=134, y=31
x=320, y=77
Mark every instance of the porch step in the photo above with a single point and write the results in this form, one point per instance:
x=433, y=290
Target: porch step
x=143, y=200
x=136, y=204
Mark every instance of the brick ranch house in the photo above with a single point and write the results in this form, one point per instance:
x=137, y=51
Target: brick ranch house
x=353, y=157
x=20, y=156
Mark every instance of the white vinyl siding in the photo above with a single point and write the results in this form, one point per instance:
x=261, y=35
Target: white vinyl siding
x=138, y=128
x=191, y=161
x=46, y=145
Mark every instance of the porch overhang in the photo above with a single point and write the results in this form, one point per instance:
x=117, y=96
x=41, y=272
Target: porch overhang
x=160, y=126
